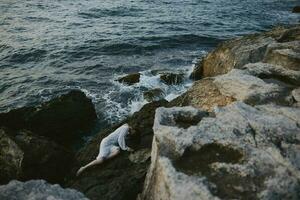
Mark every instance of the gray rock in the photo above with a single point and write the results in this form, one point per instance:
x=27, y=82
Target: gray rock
x=275, y=72
x=244, y=152
x=37, y=190
x=284, y=54
x=242, y=86
x=296, y=96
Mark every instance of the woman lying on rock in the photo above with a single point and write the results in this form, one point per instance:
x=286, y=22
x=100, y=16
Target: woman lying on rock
x=110, y=147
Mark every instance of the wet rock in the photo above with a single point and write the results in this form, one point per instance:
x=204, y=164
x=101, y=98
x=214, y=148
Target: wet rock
x=11, y=157
x=26, y=156
x=197, y=72
x=296, y=9
x=239, y=154
x=171, y=78
x=154, y=94
x=60, y=119
x=204, y=94
x=130, y=79
x=123, y=176
x=37, y=189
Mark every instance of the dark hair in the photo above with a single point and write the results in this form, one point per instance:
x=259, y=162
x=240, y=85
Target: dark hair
x=131, y=140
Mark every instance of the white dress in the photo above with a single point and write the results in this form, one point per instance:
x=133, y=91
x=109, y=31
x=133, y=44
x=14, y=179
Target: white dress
x=113, y=141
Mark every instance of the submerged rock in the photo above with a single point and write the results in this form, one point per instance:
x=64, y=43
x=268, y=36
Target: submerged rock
x=37, y=189
x=296, y=9
x=171, y=78
x=60, y=119
x=154, y=94
x=130, y=79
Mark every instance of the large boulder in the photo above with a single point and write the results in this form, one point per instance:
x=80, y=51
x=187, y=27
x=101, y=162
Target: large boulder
x=254, y=48
x=130, y=79
x=244, y=152
x=26, y=156
x=60, y=119
x=123, y=176
x=37, y=189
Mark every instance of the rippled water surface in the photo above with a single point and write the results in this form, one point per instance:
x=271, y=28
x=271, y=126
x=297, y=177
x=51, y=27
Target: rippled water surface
x=49, y=47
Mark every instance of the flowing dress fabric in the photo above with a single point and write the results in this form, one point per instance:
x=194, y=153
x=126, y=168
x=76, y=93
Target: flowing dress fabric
x=113, y=141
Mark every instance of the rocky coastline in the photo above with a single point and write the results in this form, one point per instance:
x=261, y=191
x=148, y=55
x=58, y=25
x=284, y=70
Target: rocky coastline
x=234, y=134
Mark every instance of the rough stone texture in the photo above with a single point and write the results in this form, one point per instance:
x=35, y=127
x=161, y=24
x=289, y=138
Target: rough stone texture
x=37, y=189
x=296, y=96
x=284, y=54
x=271, y=47
x=154, y=94
x=171, y=78
x=250, y=89
x=123, y=176
x=130, y=79
x=26, y=156
x=11, y=157
x=244, y=152
x=268, y=71
x=235, y=53
x=248, y=146
x=60, y=119
x=290, y=34
x=204, y=94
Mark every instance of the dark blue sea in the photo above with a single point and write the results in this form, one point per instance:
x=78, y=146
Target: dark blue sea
x=50, y=47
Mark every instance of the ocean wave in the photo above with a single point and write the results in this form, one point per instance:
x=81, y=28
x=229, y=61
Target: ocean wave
x=25, y=55
x=113, y=12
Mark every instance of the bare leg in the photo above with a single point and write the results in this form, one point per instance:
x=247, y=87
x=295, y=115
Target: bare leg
x=94, y=162
x=98, y=161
